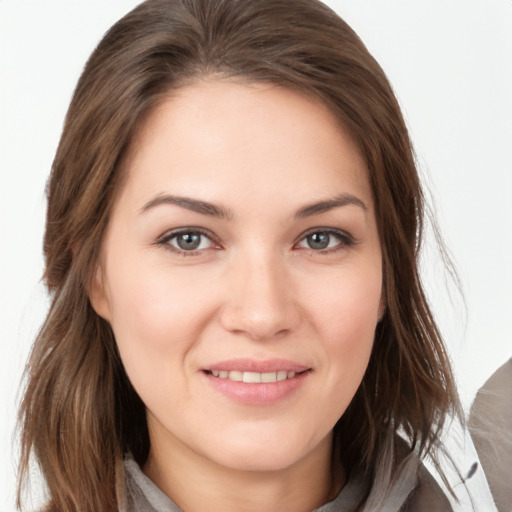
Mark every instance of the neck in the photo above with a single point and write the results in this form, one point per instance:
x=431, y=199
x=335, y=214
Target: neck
x=304, y=486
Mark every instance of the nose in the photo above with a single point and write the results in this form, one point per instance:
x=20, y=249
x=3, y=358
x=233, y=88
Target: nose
x=260, y=299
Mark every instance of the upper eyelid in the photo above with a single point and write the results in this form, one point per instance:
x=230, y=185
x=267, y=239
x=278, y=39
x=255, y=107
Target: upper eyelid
x=165, y=241
x=339, y=232
x=168, y=235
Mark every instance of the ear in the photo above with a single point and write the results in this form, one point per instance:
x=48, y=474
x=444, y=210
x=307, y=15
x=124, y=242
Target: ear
x=98, y=295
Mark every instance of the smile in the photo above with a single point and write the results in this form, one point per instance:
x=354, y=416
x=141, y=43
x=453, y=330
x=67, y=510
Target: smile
x=253, y=382
x=253, y=377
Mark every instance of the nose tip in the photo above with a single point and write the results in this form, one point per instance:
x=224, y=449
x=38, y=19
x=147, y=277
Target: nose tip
x=256, y=327
x=262, y=305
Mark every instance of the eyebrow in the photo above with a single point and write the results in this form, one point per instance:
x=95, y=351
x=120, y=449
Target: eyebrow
x=214, y=210
x=329, y=204
x=195, y=205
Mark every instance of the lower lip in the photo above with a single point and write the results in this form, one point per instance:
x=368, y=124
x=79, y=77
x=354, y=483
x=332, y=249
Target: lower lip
x=257, y=394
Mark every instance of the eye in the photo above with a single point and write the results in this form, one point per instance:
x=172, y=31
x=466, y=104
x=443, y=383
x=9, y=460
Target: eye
x=187, y=241
x=325, y=240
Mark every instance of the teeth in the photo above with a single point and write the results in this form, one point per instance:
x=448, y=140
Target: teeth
x=269, y=377
x=254, y=377
x=238, y=376
x=251, y=377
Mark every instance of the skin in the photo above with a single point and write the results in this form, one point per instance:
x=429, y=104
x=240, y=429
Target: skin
x=255, y=288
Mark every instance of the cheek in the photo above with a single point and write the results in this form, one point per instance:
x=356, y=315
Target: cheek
x=346, y=315
x=347, y=306
x=156, y=318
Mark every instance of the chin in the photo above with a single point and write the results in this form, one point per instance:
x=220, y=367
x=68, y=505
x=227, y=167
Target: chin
x=263, y=454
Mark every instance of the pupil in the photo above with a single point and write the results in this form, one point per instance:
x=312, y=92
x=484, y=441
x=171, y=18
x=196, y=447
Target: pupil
x=189, y=241
x=318, y=240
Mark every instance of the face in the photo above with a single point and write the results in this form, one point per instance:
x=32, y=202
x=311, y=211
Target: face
x=241, y=273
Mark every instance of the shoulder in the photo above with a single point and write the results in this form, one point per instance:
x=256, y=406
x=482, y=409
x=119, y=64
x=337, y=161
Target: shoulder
x=490, y=422
x=493, y=397
x=427, y=495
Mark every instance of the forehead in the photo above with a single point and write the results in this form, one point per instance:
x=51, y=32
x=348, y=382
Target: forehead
x=227, y=141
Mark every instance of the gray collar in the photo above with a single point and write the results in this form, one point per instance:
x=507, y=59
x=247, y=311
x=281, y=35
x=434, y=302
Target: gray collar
x=142, y=495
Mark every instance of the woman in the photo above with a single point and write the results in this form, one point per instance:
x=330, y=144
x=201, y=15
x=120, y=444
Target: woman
x=234, y=220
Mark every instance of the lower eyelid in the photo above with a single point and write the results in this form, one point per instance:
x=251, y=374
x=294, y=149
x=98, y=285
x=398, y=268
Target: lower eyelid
x=166, y=239
x=345, y=240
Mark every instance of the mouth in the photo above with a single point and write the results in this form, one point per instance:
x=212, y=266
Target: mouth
x=253, y=382
x=255, y=377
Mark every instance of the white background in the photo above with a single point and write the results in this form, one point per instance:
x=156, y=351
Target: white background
x=450, y=63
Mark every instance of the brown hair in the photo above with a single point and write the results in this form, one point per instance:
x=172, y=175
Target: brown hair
x=79, y=413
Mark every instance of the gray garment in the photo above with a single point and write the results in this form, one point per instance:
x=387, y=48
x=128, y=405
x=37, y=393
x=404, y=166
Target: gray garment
x=490, y=423
x=421, y=495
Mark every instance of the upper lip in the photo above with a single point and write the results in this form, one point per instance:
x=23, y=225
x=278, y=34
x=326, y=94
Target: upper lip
x=259, y=366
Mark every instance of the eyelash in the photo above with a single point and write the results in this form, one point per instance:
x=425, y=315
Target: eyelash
x=345, y=240
x=164, y=240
